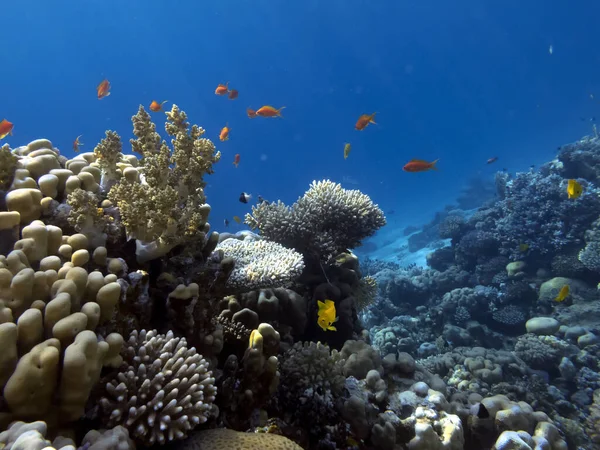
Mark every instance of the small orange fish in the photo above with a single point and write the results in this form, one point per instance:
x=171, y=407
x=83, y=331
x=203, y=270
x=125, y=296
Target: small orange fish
x=222, y=89
x=269, y=111
x=6, y=128
x=233, y=94
x=418, y=165
x=236, y=160
x=251, y=113
x=103, y=89
x=224, y=136
x=364, y=120
x=77, y=143
x=155, y=106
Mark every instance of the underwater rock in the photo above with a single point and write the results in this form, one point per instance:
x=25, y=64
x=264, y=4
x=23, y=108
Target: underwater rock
x=542, y=326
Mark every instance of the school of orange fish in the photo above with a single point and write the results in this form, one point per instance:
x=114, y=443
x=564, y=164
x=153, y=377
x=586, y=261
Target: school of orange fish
x=103, y=90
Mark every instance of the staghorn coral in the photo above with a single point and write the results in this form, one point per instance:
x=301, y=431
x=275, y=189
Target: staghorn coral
x=162, y=391
x=324, y=222
x=168, y=207
x=261, y=264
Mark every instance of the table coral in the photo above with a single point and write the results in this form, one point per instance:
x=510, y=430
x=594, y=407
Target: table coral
x=324, y=222
x=261, y=264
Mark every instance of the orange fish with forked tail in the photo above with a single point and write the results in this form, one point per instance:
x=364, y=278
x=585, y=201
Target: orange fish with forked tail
x=269, y=111
x=156, y=107
x=222, y=89
x=103, y=89
x=419, y=165
x=364, y=120
x=224, y=135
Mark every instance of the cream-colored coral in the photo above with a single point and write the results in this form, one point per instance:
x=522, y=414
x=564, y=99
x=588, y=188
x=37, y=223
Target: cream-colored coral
x=168, y=206
x=163, y=390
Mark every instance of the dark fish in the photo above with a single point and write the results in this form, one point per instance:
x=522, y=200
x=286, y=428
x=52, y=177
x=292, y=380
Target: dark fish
x=391, y=211
x=226, y=222
x=262, y=200
x=492, y=160
x=482, y=412
x=244, y=197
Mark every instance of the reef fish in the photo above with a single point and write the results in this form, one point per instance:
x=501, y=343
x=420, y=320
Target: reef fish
x=224, y=135
x=244, y=197
x=574, y=189
x=326, y=315
x=364, y=120
x=77, y=143
x=222, y=89
x=226, y=222
x=419, y=165
x=103, y=89
x=492, y=160
x=237, y=219
x=563, y=294
x=236, y=160
x=251, y=113
x=155, y=106
x=6, y=128
x=233, y=94
x=269, y=111
x=347, y=148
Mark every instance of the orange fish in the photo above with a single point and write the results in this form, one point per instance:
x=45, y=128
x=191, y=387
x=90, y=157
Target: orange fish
x=6, y=128
x=222, y=89
x=233, y=94
x=236, y=160
x=251, y=113
x=77, y=143
x=269, y=111
x=155, y=106
x=103, y=89
x=418, y=165
x=364, y=120
x=224, y=136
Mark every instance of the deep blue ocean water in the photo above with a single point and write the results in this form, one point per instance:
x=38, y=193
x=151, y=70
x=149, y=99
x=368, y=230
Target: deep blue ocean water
x=459, y=81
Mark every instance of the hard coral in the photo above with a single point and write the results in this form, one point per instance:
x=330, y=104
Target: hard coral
x=326, y=221
x=222, y=438
x=8, y=165
x=261, y=264
x=168, y=206
x=164, y=389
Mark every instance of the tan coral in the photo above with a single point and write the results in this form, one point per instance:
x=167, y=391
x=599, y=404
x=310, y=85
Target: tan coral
x=222, y=438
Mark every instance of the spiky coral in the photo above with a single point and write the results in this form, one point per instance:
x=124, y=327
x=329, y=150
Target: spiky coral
x=168, y=206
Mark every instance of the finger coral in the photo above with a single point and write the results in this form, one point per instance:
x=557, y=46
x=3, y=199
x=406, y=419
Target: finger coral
x=166, y=207
x=326, y=221
x=162, y=391
x=261, y=264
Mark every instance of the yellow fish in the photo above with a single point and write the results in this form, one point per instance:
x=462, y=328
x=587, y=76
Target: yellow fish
x=574, y=189
x=564, y=293
x=347, y=148
x=326, y=315
x=237, y=219
x=523, y=247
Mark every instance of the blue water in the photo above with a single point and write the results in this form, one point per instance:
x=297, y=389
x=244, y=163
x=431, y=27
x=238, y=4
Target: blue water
x=459, y=81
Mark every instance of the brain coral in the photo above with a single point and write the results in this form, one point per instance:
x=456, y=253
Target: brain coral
x=222, y=438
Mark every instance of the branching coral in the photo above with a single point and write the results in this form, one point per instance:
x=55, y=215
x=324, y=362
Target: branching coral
x=261, y=264
x=168, y=207
x=8, y=165
x=108, y=154
x=326, y=221
x=164, y=388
